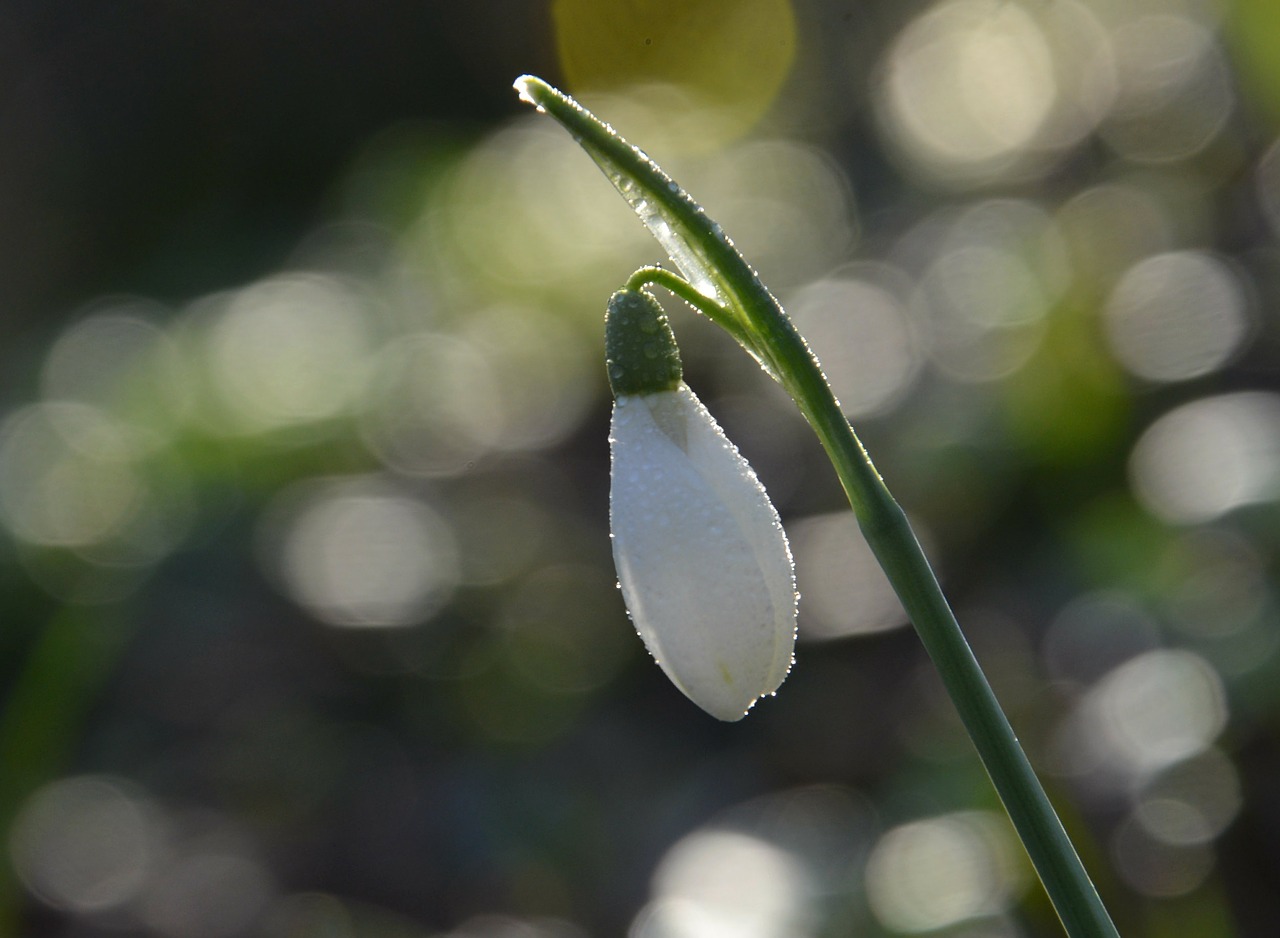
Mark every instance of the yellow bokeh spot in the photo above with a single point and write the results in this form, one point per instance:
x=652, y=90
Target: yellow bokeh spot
x=1253, y=32
x=729, y=57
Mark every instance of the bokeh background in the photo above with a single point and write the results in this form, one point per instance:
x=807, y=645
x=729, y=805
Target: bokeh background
x=308, y=624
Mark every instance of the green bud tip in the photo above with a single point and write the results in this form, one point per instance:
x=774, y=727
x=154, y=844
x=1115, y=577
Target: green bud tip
x=639, y=348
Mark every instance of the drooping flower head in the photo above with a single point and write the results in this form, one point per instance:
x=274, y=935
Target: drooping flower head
x=701, y=555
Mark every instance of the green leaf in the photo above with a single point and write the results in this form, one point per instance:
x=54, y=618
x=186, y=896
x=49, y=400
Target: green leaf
x=698, y=247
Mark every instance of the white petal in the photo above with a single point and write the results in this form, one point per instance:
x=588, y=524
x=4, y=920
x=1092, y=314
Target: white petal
x=703, y=562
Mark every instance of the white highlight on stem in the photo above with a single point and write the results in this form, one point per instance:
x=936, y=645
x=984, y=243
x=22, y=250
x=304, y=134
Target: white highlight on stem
x=702, y=559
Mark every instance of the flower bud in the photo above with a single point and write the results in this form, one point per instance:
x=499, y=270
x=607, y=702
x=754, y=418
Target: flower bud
x=640, y=351
x=701, y=555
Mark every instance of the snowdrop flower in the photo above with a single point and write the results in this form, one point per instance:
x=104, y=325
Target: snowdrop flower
x=701, y=555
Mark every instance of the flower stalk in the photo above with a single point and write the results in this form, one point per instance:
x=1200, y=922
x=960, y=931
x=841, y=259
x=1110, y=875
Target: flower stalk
x=717, y=281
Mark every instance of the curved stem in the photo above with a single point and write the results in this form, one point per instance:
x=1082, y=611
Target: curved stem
x=682, y=288
x=898, y=551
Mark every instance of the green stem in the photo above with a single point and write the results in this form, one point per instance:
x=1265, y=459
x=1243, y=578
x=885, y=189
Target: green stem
x=677, y=285
x=894, y=543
